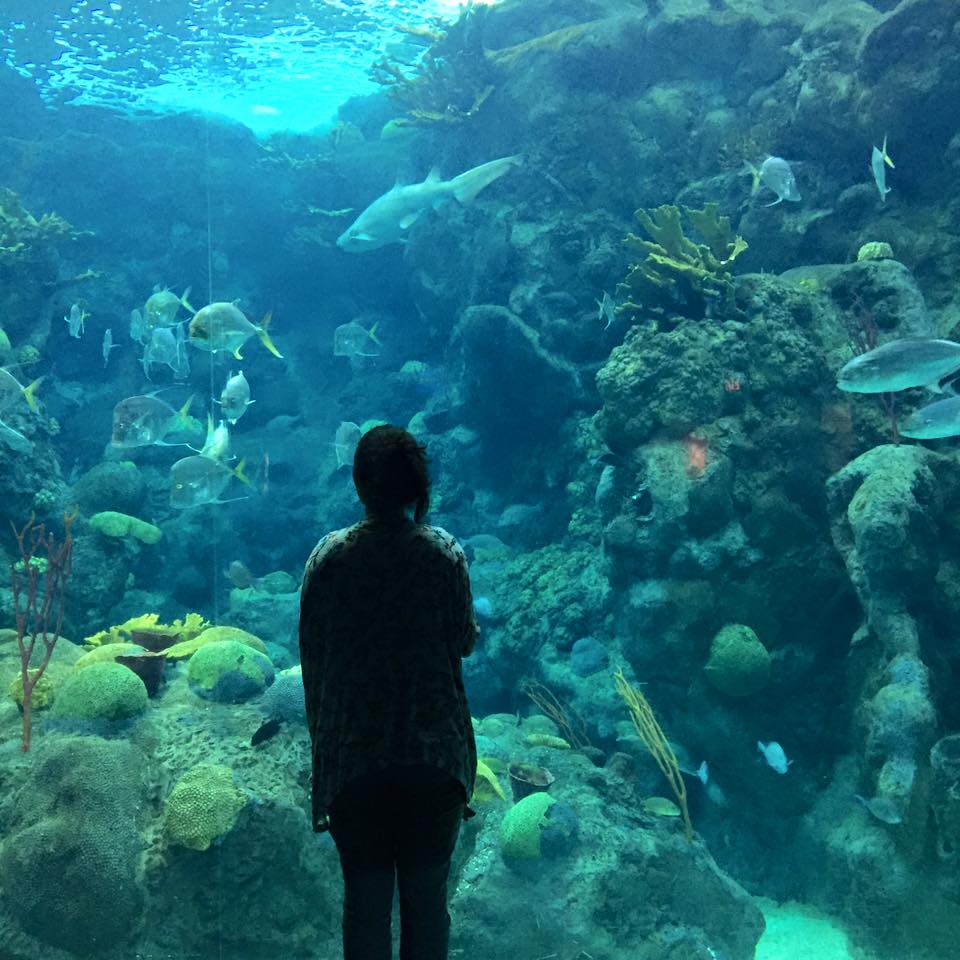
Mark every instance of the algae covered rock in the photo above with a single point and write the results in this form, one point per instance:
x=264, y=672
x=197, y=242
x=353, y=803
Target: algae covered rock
x=112, y=485
x=75, y=847
x=229, y=671
x=739, y=663
x=202, y=807
x=101, y=691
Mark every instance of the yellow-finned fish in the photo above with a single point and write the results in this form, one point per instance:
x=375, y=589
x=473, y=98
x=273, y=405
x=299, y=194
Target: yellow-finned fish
x=223, y=326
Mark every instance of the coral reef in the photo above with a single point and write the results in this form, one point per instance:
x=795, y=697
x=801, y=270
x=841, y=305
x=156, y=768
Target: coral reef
x=678, y=278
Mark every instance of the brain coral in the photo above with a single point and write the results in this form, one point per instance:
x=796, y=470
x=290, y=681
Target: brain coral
x=229, y=672
x=202, y=806
x=101, y=691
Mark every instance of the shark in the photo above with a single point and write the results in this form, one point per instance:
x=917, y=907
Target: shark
x=388, y=219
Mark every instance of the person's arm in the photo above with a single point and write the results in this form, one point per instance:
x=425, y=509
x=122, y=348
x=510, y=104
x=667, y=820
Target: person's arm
x=470, y=630
x=310, y=641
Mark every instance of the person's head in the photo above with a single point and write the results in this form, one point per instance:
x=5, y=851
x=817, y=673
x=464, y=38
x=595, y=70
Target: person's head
x=390, y=472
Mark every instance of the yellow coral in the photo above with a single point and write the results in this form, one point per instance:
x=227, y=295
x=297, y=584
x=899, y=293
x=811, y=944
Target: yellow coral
x=487, y=786
x=186, y=629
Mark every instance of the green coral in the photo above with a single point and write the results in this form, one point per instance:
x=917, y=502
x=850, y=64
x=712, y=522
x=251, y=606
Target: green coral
x=202, y=807
x=521, y=825
x=110, y=523
x=739, y=663
x=678, y=278
x=101, y=691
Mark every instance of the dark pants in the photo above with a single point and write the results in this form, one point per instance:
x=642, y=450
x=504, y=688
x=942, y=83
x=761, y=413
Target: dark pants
x=397, y=827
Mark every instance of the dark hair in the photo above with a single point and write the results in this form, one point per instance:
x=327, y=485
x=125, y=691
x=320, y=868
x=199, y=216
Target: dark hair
x=390, y=471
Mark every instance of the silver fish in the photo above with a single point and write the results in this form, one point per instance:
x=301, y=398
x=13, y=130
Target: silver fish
x=235, y=397
x=345, y=443
x=162, y=307
x=900, y=365
x=74, y=321
x=197, y=480
x=606, y=309
x=883, y=808
x=138, y=326
x=934, y=421
x=354, y=340
x=108, y=345
x=166, y=347
x=14, y=439
x=775, y=174
x=389, y=217
x=879, y=161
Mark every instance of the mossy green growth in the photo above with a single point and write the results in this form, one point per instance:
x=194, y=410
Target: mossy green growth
x=102, y=691
x=739, y=663
x=121, y=525
x=521, y=825
x=43, y=692
x=678, y=278
x=202, y=806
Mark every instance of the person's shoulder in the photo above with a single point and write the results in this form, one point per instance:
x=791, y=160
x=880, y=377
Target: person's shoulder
x=443, y=541
x=328, y=546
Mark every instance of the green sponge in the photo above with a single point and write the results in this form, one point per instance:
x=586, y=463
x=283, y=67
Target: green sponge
x=739, y=663
x=120, y=525
x=520, y=829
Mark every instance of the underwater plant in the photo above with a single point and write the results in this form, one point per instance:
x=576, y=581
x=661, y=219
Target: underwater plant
x=655, y=740
x=678, y=278
x=38, y=606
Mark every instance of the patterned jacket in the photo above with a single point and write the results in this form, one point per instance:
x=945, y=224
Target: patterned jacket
x=386, y=615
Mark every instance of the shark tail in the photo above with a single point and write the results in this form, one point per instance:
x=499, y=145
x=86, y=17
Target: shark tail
x=28, y=394
x=265, y=337
x=468, y=184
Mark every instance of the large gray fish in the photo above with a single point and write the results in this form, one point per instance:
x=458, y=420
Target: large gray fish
x=775, y=174
x=197, y=480
x=223, y=326
x=389, y=217
x=899, y=365
x=934, y=421
x=146, y=420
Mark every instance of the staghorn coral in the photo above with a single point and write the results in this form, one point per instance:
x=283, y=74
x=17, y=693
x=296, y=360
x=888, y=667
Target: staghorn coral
x=678, y=278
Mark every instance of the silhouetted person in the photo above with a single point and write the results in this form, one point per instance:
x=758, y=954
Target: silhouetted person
x=386, y=615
